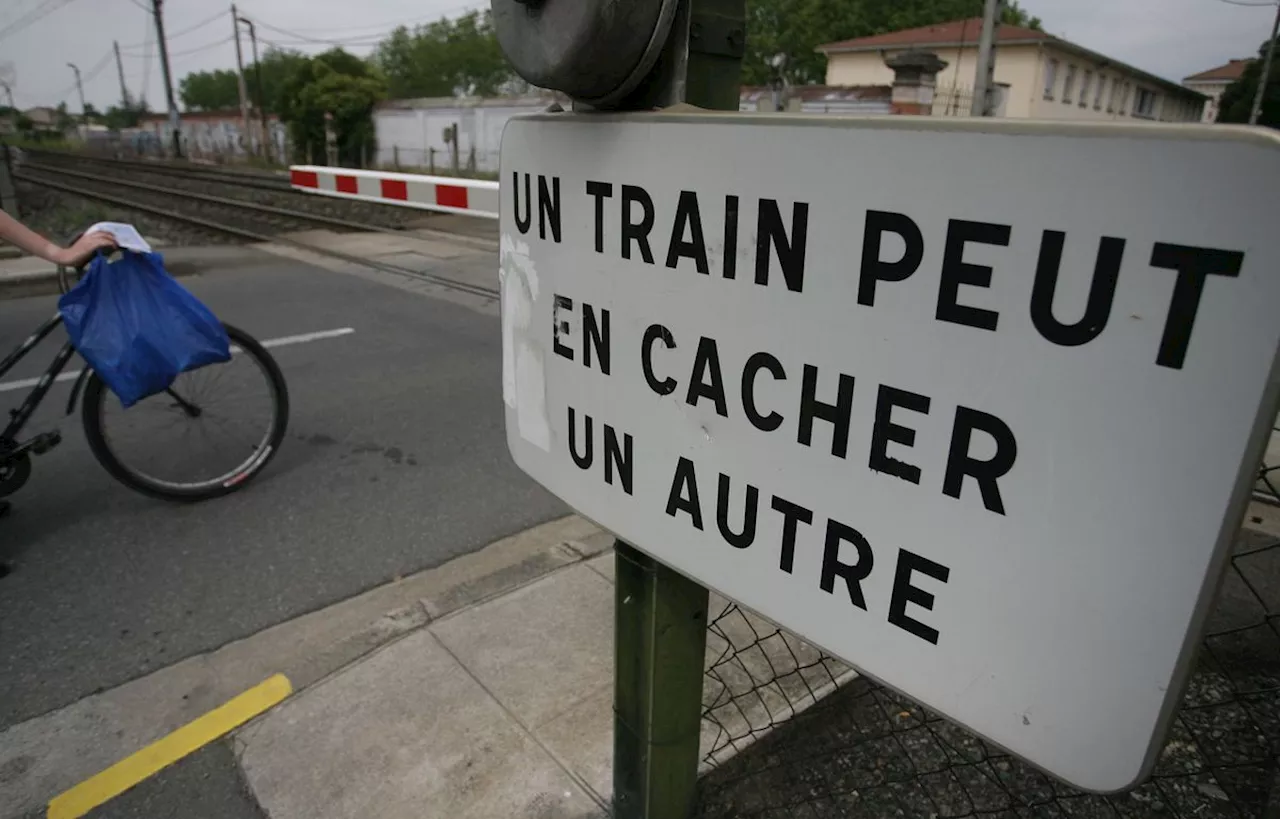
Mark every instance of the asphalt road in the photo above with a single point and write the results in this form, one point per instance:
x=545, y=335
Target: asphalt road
x=395, y=461
x=205, y=785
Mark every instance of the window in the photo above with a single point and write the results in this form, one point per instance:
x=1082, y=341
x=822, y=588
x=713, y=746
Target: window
x=1050, y=78
x=1085, y=88
x=1097, y=96
x=1111, y=98
x=1124, y=98
x=1069, y=85
x=1144, y=103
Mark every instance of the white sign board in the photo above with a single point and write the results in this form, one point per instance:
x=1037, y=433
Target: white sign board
x=975, y=406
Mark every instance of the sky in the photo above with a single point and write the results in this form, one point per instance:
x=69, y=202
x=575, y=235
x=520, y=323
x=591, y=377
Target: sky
x=1170, y=38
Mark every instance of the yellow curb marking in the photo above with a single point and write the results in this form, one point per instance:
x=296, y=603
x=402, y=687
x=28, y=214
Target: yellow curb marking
x=131, y=770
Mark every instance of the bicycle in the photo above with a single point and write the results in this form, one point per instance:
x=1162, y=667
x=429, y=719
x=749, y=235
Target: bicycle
x=189, y=403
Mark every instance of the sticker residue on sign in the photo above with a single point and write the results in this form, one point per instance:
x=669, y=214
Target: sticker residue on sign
x=523, y=381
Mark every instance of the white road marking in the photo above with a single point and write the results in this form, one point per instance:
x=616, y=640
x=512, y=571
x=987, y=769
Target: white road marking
x=306, y=337
x=285, y=341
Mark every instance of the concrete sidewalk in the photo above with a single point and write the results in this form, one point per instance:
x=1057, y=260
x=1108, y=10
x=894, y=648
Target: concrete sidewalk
x=502, y=708
x=481, y=688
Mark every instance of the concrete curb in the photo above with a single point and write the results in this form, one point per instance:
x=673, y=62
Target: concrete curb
x=46, y=755
x=45, y=283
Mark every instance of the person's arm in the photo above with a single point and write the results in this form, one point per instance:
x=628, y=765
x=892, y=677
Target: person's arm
x=14, y=232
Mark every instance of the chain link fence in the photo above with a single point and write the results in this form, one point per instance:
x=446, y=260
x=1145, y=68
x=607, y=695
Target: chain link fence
x=952, y=101
x=464, y=161
x=789, y=731
x=1268, y=487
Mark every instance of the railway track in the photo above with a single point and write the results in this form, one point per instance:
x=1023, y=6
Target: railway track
x=261, y=180
x=293, y=218
x=167, y=203
x=265, y=189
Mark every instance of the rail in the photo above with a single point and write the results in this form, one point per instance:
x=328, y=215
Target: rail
x=445, y=194
x=172, y=213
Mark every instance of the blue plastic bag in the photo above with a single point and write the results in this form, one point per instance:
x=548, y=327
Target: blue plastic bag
x=138, y=327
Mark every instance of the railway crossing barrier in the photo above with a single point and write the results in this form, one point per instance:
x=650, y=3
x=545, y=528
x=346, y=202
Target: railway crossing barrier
x=446, y=194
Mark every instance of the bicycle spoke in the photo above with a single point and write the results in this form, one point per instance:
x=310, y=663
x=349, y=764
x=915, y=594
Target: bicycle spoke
x=242, y=408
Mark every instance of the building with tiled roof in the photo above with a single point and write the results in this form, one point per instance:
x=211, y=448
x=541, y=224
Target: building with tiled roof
x=1039, y=76
x=1213, y=82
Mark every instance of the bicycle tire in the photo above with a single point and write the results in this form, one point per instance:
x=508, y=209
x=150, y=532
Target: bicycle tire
x=96, y=392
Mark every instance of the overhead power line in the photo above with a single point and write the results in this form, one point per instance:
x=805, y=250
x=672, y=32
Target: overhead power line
x=171, y=37
x=193, y=50
x=198, y=49
x=374, y=35
x=319, y=40
x=388, y=25
x=34, y=16
x=89, y=75
x=146, y=62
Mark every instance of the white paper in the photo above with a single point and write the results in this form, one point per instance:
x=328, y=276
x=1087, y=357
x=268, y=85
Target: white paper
x=127, y=236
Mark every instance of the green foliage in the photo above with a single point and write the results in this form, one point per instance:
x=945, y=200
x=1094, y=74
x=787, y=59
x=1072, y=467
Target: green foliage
x=63, y=121
x=121, y=116
x=278, y=67
x=338, y=83
x=209, y=90
x=797, y=27
x=1237, y=99
x=219, y=90
x=444, y=59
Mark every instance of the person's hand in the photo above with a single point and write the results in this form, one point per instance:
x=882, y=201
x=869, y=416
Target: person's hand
x=84, y=248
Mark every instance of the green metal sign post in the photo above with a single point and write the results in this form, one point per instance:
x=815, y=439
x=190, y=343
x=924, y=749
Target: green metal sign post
x=660, y=615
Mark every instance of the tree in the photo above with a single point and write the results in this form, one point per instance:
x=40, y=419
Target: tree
x=444, y=59
x=278, y=67
x=336, y=83
x=209, y=90
x=119, y=117
x=797, y=27
x=62, y=119
x=1237, y=100
x=219, y=90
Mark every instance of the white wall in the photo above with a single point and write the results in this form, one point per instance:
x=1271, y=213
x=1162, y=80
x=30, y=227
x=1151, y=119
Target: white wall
x=1022, y=68
x=418, y=132
x=1015, y=68
x=1171, y=105
x=209, y=138
x=1214, y=89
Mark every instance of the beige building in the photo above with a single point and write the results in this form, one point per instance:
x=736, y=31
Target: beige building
x=1213, y=82
x=1040, y=76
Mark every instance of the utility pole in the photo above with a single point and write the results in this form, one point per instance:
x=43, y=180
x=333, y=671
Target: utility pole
x=257, y=81
x=244, y=96
x=984, y=103
x=174, y=122
x=84, y=113
x=124, y=89
x=1266, y=71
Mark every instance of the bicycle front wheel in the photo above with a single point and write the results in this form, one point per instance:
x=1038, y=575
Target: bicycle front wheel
x=212, y=431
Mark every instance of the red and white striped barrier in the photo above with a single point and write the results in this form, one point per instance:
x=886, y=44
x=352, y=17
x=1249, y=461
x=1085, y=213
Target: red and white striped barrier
x=471, y=197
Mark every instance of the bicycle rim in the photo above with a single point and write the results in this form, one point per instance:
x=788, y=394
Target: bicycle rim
x=160, y=447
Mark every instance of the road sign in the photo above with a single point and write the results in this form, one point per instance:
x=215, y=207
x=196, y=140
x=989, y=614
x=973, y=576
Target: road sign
x=973, y=405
